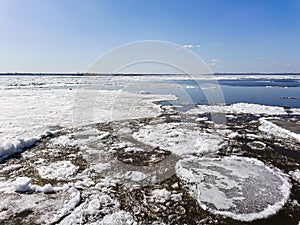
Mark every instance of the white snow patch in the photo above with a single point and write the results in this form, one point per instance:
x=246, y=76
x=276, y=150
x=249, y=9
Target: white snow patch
x=179, y=138
x=61, y=170
x=228, y=186
x=10, y=147
x=277, y=131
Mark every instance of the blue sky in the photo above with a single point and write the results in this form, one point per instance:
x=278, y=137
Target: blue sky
x=229, y=35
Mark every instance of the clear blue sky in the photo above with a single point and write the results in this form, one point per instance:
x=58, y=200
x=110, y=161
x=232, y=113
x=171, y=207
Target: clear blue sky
x=229, y=35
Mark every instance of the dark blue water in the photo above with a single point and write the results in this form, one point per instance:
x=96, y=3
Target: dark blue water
x=279, y=92
x=273, y=92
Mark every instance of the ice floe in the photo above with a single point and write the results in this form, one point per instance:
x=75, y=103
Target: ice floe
x=179, y=138
x=238, y=187
x=61, y=170
x=15, y=199
x=277, y=131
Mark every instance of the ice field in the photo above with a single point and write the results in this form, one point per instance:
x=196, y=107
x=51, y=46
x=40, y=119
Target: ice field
x=144, y=150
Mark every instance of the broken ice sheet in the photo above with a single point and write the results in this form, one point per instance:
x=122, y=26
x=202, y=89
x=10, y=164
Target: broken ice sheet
x=238, y=187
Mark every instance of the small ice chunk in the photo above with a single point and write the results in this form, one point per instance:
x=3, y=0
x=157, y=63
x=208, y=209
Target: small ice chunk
x=176, y=197
x=117, y=218
x=47, y=188
x=161, y=195
x=101, y=167
x=84, y=183
x=201, y=119
x=234, y=135
x=68, y=206
x=257, y=145
x=144, y=92
x=22, y=184
x=295, y=175
x=133, y=149
x=175, y=185
x=85, y=134
x=135, y=176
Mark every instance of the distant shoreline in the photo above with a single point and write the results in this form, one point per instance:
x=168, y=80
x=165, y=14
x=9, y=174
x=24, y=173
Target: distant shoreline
x=127, y=74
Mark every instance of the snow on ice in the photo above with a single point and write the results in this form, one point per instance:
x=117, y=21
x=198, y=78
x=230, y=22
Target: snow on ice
x=239, y=108
x=28, y=115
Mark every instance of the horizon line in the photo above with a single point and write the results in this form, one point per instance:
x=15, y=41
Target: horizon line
x=140, y=74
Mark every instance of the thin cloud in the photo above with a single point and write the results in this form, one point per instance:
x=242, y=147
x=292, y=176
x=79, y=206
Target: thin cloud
x=191, y=46
x=288, y=65
x=214, y=62
x=211, y=44
x=259, y=58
